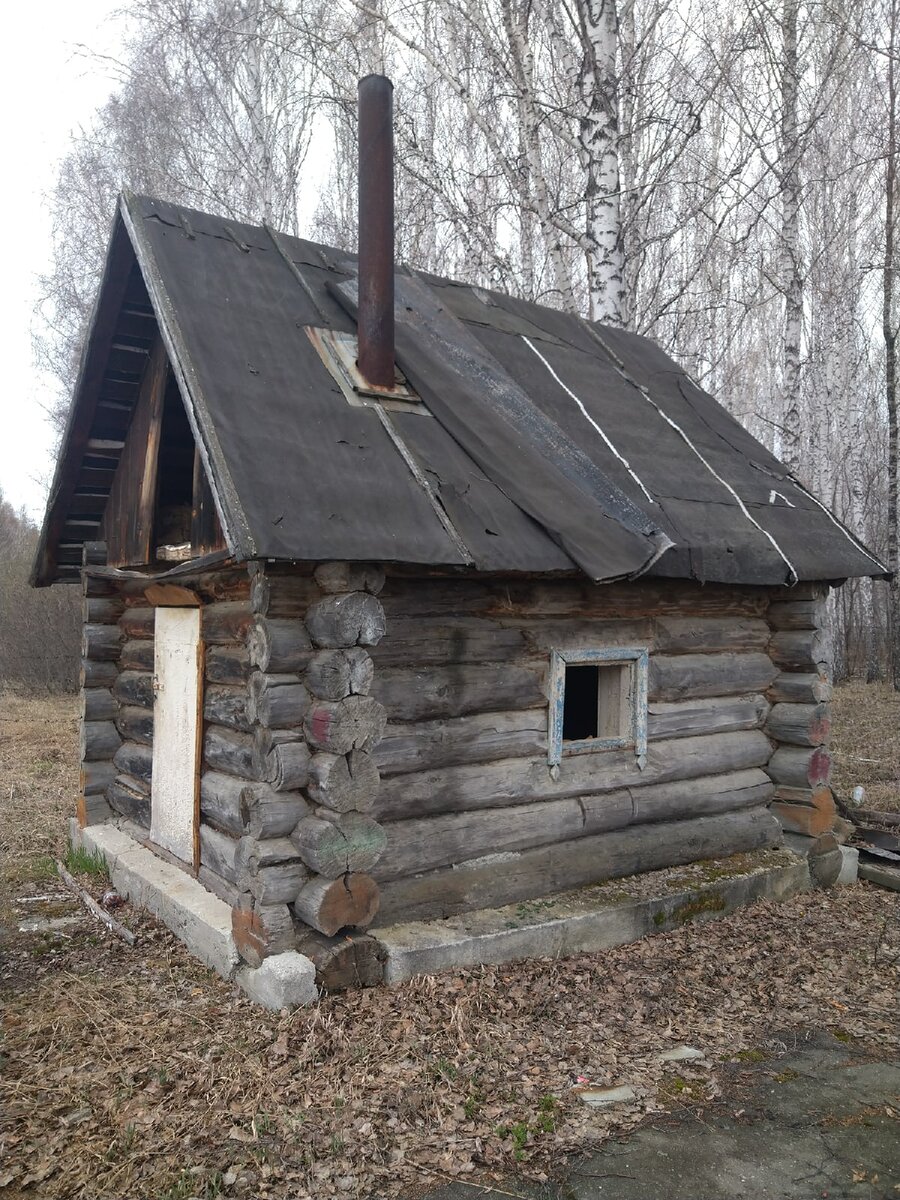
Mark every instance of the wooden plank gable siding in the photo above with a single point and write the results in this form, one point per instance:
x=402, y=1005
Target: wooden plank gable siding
x=128, y=519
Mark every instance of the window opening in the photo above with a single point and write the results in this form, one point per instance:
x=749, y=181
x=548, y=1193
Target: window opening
x=598, y=701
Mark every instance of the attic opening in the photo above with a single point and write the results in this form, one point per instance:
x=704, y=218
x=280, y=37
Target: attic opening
x=160, y=506
x=175, y=473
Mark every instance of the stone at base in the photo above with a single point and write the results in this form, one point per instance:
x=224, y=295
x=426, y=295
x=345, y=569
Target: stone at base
x=283, y=981
x=849, y=866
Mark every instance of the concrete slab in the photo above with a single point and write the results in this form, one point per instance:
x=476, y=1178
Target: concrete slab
x=816, y=1122
x=591, y=919
x=200, y=919
x=849, y=866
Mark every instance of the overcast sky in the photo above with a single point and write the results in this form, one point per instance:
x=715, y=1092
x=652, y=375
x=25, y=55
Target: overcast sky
x=48, y=89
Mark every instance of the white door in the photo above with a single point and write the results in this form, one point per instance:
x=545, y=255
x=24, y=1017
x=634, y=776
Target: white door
x=176, y=731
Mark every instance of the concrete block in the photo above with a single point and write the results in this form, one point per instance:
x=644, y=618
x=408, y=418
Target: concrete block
x=849, y=866
x=201, y=920
x=283, y=981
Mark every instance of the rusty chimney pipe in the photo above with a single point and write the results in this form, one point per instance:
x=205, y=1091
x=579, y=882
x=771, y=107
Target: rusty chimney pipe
x=375, y=316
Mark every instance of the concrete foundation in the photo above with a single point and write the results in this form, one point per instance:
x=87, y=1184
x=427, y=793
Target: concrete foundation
x=201, y=920
x=594, y=918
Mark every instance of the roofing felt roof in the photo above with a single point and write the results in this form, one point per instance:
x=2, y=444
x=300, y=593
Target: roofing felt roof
x=547, y=443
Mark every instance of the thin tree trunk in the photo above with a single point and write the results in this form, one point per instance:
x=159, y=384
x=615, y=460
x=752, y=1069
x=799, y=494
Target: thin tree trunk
x=792, y=278
x=890, y=347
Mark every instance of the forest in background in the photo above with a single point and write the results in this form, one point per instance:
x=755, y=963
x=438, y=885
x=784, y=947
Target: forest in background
x=718, y=176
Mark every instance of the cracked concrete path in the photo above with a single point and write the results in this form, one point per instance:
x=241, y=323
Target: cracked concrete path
x=819, y=1122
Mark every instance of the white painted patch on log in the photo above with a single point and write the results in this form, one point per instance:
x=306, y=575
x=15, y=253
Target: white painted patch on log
x=175, y=721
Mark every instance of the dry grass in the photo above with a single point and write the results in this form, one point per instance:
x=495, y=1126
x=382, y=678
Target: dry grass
x=866, y=743
x=137, y=1073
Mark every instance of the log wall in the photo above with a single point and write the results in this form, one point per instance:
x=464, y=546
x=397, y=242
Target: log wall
x=379, y=747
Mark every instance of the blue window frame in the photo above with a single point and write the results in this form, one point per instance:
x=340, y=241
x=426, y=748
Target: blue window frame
x=598, y=701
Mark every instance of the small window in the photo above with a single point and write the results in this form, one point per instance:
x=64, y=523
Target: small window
x=598, y=701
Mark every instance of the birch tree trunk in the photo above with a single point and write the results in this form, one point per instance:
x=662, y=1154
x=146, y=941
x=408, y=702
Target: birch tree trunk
x=889, y=331
x=791, y=267
x=598, y=137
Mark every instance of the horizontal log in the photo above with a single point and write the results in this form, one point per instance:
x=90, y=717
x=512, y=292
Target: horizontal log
x=799, y=724
x=218, y=852
x=792, y=766
x=227, y=664
x=96, y=777
x=356, y=723
x=98, y=704
x=686, y=676
x=280, y=701
x=101, y=643
x=818, y=797
x=218, y=886
x=134, y=687
x=227, y=706
x=507, y=878
x=281, y=759
x=412, y=693
x=701, y=797
x=171, y=595
x=514, y=598
x=353, y=619
x=138, y=623
x=283, y=596
x=136, y=656
x=519, y=781
x=132, y=758
x=92, y=586
x=92, y=810
x=279, y=646
x=793, y=688
x=798, y=614
x=343, y=782
x=128, y=802
x=220, y=801
x=709, y=635
x=226, y=621
x=483, y=737
x=348, y=844
x=276, y=884
x=99, y=740
x=349, y=577
x=687, y=718
x=253, y=853
x=261, y=929
x=427, y=843
x=97, y=674
x=801, y=818
x=441, y=641
x=350, y=960
x=334, y=674
x=243, y=808
x=329, y=905
x=802, y=650
x=229, y=751
x=135, y=724
x=103, y=610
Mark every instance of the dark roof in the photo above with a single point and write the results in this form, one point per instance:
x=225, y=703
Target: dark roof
x=549, y=443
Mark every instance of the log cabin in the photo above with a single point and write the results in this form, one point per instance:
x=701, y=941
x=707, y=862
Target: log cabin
x=404, y=598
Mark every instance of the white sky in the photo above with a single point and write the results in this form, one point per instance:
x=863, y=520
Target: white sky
x=48, y=88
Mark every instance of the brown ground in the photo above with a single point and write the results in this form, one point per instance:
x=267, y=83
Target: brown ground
x=865, y=743
x=138, y=1074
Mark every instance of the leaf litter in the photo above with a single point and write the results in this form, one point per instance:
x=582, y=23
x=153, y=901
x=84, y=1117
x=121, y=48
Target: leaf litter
x=139, y=1073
